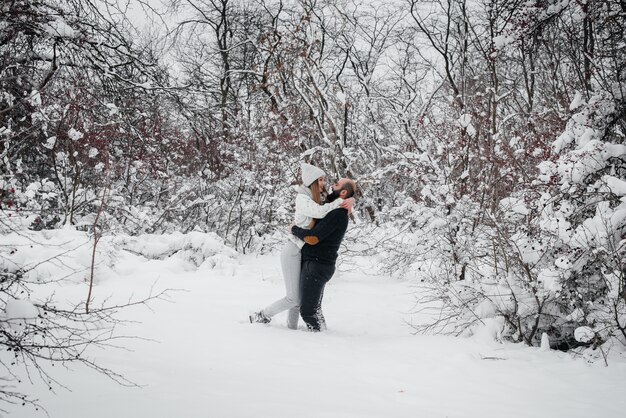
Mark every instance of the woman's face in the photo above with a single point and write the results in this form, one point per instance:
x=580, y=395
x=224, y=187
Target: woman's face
x=322, y=183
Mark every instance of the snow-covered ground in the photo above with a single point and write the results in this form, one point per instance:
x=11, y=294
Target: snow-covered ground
x=199, y=356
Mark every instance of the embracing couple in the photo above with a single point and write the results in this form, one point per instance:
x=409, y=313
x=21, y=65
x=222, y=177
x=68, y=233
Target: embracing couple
x=309, y=255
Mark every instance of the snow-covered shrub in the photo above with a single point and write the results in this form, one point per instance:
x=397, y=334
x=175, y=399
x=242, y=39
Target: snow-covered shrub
x=39, y=329
x=49, y=255
x=518, y=226
x=547, y=261
x=584, y=218
x=204, y=251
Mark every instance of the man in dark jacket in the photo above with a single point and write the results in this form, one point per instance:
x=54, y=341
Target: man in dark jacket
x=320, y=254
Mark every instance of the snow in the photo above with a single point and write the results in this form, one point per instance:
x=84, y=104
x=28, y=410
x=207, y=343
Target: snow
x=563, y=263
x=17, y=313
x=202, y=250
x=465, y=120
x=584, y=334
x=576, y=315
x=60, y=28
x=198, y=356
x=530, y=249
x=615, y=185
x=47, y=255
x=591, y=157
x=577, y=101
x=50, y=142
x=613, y=151
x=74, y=134
x=550, y=278
x=502, y=41
x=599, y=229
x=113, y=109
x=20, y=309
x=471, y=131
x=547, y=169
x=35, y=98
x=514, y=205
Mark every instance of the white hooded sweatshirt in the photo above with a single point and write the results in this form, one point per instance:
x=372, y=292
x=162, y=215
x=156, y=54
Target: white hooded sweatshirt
x=307, y=210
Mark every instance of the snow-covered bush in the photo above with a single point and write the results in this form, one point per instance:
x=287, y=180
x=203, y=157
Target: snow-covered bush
x=584, y=218
x=204, y=251
x=37, y=327
x=525, y=217
x=547, y=261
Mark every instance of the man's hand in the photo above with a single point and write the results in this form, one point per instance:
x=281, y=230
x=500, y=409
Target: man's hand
x=311, y=240
x=347, y=204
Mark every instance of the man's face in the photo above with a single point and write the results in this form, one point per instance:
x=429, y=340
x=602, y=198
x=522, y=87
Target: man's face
x=337, y=186
x=335, y=191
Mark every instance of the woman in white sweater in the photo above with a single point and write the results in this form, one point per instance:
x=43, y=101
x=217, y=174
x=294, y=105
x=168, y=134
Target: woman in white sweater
x=308, y=208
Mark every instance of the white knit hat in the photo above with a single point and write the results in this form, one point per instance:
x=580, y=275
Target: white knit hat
x=310, y=173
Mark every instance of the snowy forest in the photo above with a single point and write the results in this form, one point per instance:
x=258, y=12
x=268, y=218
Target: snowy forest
x=487, y=139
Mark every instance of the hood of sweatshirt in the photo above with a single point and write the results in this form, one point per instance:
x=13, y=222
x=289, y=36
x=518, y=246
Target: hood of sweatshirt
x=300, y=189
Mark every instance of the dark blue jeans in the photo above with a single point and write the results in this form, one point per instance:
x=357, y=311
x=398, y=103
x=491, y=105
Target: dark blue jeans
x=313, y=279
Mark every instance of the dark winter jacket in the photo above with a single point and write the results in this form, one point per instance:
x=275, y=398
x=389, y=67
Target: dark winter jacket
x=327, y=236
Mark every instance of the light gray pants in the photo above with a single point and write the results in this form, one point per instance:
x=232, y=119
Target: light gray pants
x=290, y=261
